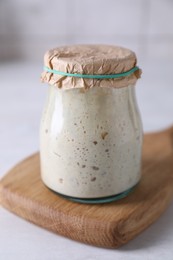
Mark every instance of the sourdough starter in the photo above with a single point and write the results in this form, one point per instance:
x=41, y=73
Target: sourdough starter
x=91, y=141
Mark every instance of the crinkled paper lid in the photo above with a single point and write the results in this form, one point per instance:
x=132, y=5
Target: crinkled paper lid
x=92, y=60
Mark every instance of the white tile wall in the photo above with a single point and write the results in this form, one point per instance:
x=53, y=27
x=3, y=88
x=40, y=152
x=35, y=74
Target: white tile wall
x=28, y=28
x=161, y=17
x=107, y=17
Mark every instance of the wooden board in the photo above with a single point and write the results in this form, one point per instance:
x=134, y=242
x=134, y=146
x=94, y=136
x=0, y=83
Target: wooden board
x=106, y=225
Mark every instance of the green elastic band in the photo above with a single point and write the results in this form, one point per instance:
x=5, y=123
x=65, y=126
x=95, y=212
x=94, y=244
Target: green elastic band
x=87, y=76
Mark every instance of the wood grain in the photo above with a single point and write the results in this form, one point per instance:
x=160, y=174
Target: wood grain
x=106, y=225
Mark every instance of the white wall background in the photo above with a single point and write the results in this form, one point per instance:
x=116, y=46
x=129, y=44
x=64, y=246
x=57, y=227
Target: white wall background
x=28, y=28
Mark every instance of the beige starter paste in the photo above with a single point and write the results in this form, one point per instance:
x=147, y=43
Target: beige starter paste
x=91, y=141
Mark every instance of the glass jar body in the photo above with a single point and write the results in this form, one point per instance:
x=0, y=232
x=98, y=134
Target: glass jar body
x=91, y=141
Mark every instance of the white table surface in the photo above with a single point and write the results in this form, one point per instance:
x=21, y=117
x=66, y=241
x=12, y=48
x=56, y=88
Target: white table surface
x=21, y=100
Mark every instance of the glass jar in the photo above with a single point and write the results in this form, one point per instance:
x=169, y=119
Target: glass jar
x=91, y=141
